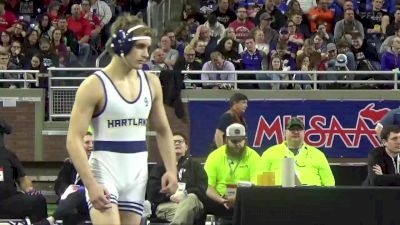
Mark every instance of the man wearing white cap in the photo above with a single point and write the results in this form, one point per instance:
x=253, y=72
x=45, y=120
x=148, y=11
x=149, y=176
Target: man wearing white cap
x=226, y=167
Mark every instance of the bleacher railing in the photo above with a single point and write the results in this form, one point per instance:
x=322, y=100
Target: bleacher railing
x=64, y=82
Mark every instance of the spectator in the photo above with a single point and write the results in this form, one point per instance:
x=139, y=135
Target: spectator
x=224, y=15
x=294, y=8
x=203, y=34
x=258, y=35
x=70, y=38
x=365, y=55
x=391, y=59
x=171, y=55
x=252, y=60
x=226, y=166
x=277, y=18
x=200, y=47
x=386, y=44
x=158, y=61
x=270, y=35
x=321, y=13
x=178, y=45
x=186, y=205
x=305, y=5
x=319, y=44
x=331, y=51
x=182, y=36
x=58, y=47
x=311, y=165
x=187, y=62
x=102, y=10
x=17, y=57
x=18, y=205
x=304, y=65
x=340, y=10
x=301, y=27
x=276, y=65
x=18, y=32
x=339, y=64
x=228, y=48
x=65, y=7
x=49, y=58
x=238, y=104
x=230, y=33
x=81, y=27
x=5, y=64
x=36, y=64
x=8, y=18
x=343, y=47
x=52, y=12
x=217, y=63
x=242, y=25
x=347, y=26
x=5, y=40
x=309, y=51
x=94, y=21
x=215, y=27
x=392, y=27
x=384, y=162
x=283, y=38
x=43, y=25
x=31, y=44
x=295, y=36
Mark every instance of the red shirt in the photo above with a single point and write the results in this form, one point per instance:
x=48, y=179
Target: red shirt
x=242, y=30
x=94, y=21
x=7, y=20
x=80, y=27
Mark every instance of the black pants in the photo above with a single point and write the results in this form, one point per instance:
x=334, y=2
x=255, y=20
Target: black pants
x=22, y=205
x=218, y=210
x=72, y=209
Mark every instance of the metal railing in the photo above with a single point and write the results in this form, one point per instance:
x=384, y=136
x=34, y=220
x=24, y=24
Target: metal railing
x=24, y=79
x=158, y=10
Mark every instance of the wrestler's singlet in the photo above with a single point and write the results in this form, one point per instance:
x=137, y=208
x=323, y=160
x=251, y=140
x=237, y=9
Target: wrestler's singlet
x=119, y=159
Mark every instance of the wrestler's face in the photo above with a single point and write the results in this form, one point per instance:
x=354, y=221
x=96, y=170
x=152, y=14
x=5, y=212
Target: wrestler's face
x=139, y=54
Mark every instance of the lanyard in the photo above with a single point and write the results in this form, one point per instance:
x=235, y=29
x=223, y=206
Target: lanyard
x=230, y=164
x=396, y=165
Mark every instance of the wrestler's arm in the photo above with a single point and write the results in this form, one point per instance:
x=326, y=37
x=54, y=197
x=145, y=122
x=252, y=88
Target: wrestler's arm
x=158, y=120
x=85, y=103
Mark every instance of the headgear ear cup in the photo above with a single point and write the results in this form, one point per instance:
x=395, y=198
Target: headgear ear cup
x=121, y=43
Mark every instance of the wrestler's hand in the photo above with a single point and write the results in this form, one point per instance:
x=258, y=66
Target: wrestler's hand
x=169, y=183
x=99, y=197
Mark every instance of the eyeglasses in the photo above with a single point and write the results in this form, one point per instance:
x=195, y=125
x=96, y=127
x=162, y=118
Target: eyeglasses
x=179, y=142
x=190, y=54
x=4, y=58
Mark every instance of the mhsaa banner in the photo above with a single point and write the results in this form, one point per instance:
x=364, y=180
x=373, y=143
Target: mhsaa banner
x=339, y=128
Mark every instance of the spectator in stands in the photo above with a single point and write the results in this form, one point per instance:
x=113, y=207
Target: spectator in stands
x=319, y=44
x=102, y=10
x=31, y=43
x=5, y=64
x=216, y=28
x=228, y=48
x=341, y=9
x=189, y=10
x=321, y=31
x=282, y=50
x=186, y=205
x=175, y=44
x=17, y=56
x=304, y=65
x=65, y=7
x=365, y=55
x=391, y=59
x=8, y=18
x=94, y=21
x=242, y=25
x=270, y=35
x=375, y=23
x=49, y=57
x=208, y=6
x=331, y=51
x=36, y=64
x=301, y=27
x=277, y=66
x=224, y=14
x=386, y=45
x=43, y=25
x=171, y=55
x=276, y=16
x=203, y=34
x=321, y=13
x=200, y=47
x=383, y=162
x=304, y=5
x=52, y=12
x=309, y=51
x=218, y=63
x=294, y=8
x=70, y=37
x=283, y=38
x=258, y=35
x=392, y=27
x=226, y=166
x=230, y=33
x=182, y=36
x=18, y=32
x=311, y=165
x=238, y=103
x=347, y=26
x=339, y=64
x=158, y=61
x=13, y=203
x=58, y=46
x=187, y=62
x=295, y=36
x=81, y=27
x=252, y=60
x=5, y=40
x=343, y=47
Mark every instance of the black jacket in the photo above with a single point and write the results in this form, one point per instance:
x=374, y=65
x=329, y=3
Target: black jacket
x=65, y=177
x=171, y=82
x=4, y=129
x=378, y=156
x=192, y=173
